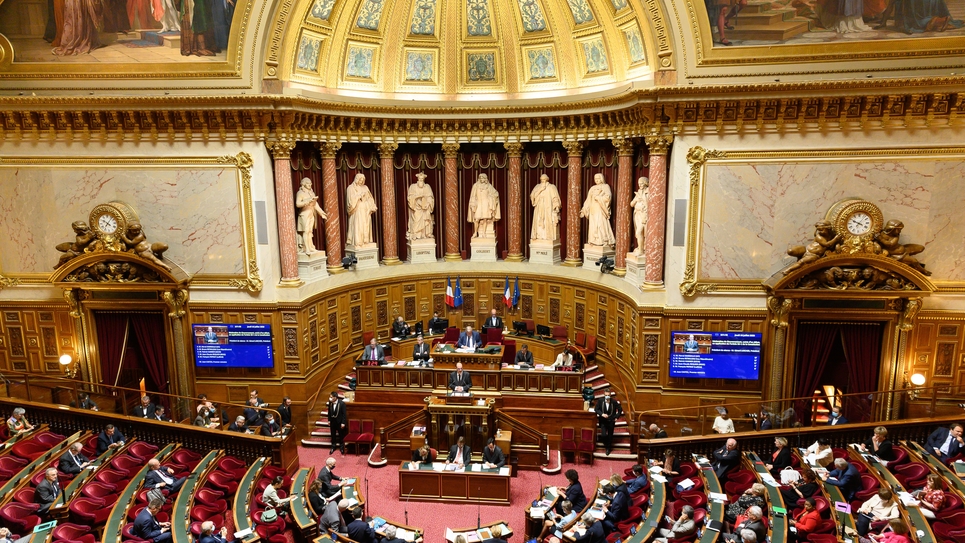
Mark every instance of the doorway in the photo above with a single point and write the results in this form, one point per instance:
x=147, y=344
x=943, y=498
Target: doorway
x=132, y=346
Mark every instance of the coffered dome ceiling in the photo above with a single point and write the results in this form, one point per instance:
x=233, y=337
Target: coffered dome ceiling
x=466, y=49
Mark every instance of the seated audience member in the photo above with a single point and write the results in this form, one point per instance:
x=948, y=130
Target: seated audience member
x=875, y=512
x=497, y=532
x=110, y=438
x=836, y=418
x=270, y=495
x=6, y=536
x=328, y=478
x=932, y=497
x=639, y=481
x=253, y=415
x=17, y=423
x=682, y=527
x=390, y=535
x=617, y=510
x=359, y=530
x=259, y=402
x=805, y=487
x=670, y=465
x=270, y=428
x=726, y=458
x=435, y=324
x=73, y=461
x=594, y=530
x=212, y=408
x=204, y=419
x=748, y=536
x=159, y=476
x=565, y=358
x=946, y=443
x=374, y=354
x=332, y=520
x=160, y=414
x=805, y=522
x=315, y=498
x=209, y=535
x=47, y=491
x=752, y=497
x=399, y=328
x=753, y=522
x=844, y=476
x=723, y=424
x=619, y=485
x=147, y=527
x=573, y=492
x=896, y=532
x=421, y=351
x=146, y=409
x=239, y=425
x=85, y=402
x=820, y=453
x=879, y=445
x=469, y=339
x=459, y=454
x=285, y=411
x=557, y=522
x=657, y=432
x=780, y=458
x=422, y=455
x=493, y=456
x=524, y=358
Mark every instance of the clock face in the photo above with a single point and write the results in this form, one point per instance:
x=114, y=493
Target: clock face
x=859, y=223
x=107, y=223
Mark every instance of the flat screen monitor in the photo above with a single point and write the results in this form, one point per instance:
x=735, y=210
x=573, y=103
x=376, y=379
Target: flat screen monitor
x=715, y=355
x=542, y=330
x=440, y=326
x=233, y=346
x=519, y=327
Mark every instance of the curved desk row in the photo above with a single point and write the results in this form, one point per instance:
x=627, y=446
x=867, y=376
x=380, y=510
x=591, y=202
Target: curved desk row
x=244, y=496
x=715, y=508
x=778, y=523
x=181, y=515
x=302, y=512
x=118, y=516
x=911, y=514
x=939, y=467
x=59, y=508
x=23, y=476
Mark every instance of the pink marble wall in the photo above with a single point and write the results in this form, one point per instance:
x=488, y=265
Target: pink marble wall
x=752, y=212
x=195, y=210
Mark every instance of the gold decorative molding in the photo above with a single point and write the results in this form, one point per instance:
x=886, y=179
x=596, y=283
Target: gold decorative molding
x=779, y=308
x=176, y=301
x=450, y=150
x=252, y=281
x=281, y=149
x=659, y=145
x=387, y=150
x=624, y=146
x=8, y=282
x=513, y=148
x=328, y=149
x=573, y=148
x=906, y=322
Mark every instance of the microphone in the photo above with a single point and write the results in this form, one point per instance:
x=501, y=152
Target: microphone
x=478, y=509
x=367, y=484
x=407, y=506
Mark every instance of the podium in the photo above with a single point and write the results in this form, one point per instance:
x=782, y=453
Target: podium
x=448, y=413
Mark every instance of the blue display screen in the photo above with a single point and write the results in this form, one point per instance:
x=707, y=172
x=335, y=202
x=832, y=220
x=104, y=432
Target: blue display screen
x=232, y=346
x=715, y=355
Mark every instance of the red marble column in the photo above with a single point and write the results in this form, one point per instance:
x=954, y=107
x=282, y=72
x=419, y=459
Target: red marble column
x=655, y=235
x=451, y=214
x=390, y=234
x=625, y=150
x=574, y=164
x=281, y=150
x=515, y=202
x=330, y=195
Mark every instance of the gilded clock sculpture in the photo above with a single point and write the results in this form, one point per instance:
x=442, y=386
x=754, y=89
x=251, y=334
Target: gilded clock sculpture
x=858, y=222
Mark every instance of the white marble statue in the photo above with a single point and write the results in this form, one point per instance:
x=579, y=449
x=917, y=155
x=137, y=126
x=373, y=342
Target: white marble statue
x=546, y=210
x=361, y=206
x=421, y=204
x=639, y=205
x=596, y=208
x=307, y=203
x=483, y=208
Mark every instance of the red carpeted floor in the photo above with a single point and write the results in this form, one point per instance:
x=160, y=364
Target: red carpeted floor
x=432, y=517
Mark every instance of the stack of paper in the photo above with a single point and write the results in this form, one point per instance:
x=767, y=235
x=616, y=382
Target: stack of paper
x=718, y=497
x=659, y=478
x=537, y=512
x=656, y=469
x=504, y=470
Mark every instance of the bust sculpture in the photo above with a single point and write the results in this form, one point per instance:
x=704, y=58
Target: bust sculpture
x=546, y=210
x=639, y=205
x=421, y=203
x=360, y=206
x=596, y=209
x=483, y=208
x=307, y=203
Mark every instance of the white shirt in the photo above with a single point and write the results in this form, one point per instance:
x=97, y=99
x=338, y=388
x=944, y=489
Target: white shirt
x=724, y=426
x=948, y=443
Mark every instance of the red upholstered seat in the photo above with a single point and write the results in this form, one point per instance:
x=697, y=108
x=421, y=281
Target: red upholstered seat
x=230, y=463
x=587, y=443
x=530, y=326
x=509, y=351
x=208, y=496
x=204, y=512
x=222, y=482
x=141, y=499
x=29, y=450
x=73, y=532
x=823, y=538
x=952, y=504
x=20, y=517
x=126, y=464
x=633, y=518
x=698, y=487
x=142, y=449
x=956, y=519
x=354, y=431
x=687, y=470
x=587, y=347
x=24, y=495
x=452, y=335
x=128, y=533
x=97, y=489
x=568, y=441
x=186, y=457
x=367, y=435
x=640, y=498
x=49, y=439
x=494, y=335
x=694, y=498
x=92, y=511
x=901, y=457
x=560, y=333
x=869, y=487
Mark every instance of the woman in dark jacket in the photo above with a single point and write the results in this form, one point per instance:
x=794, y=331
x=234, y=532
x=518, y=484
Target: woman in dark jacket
x=574, y=492
x=780, y=458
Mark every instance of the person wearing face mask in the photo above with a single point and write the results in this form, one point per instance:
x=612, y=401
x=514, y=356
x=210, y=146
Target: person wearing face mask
x=337, y=421
x=836, y=418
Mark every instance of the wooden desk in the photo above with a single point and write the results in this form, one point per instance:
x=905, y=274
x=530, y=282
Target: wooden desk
x=444, y=356
x=301, y=508
x=395, y=378
x=544, y=351
x=180, y=514
x=451, y=409
x=118, y=517
x=407, y=533
x=504, y=440
x=778, y=523
x=939, y=467
x=428, y=485
x=245, y=495
x=534, y=526
x=473, y=535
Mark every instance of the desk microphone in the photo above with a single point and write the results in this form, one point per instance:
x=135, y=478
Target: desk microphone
x=478, y=509
x=367, y=484
x=407, y=506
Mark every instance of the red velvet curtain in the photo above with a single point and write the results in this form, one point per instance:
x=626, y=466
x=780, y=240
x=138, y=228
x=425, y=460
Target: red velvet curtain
x=862, y=352
x=814, y=341
x=111, y=329
x=148, y=329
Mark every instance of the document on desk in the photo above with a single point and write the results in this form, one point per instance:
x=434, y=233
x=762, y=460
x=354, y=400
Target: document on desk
x=476, y=467
x=504, y=471
x=349, y=481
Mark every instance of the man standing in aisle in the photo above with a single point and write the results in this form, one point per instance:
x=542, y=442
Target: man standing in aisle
x=337, y=422
x=607, y=413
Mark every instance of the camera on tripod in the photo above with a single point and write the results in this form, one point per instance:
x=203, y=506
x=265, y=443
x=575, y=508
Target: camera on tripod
x=605, y=263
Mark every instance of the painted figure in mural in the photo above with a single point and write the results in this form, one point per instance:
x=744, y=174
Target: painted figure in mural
x=639, y=205
x=81, y=19
x=360, y=206
x=546, y=210
x=197, y=30
x=596, y=208
x=168, y=16
x=844, y=16
x=914, y=16
x=483, y=208
x=722, y=11
x=421, y=203
x=307, y=203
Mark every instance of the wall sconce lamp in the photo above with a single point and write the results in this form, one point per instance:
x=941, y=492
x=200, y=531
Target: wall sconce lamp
x=917, y=380
x=65, y=362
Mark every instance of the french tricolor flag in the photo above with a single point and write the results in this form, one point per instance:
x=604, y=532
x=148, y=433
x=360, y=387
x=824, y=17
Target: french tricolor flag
x=507, y=294
x=449, y=298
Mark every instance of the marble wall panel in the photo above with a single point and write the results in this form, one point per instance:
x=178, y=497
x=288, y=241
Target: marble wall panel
x=196, y=211
x=751, y=212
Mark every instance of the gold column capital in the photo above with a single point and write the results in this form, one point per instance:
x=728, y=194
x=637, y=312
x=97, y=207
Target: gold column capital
x=328, y=148
x=450, y=150
x=573, y=148
x=387, y=150
x=514, y=148
x=624, y=146
x=659, y=144
x=176, y=301
x=281, y=148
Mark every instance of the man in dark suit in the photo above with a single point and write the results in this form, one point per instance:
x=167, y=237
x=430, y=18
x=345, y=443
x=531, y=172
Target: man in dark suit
x=607, y=413
x=47, y=491
x=493, y=456
x=253, y=417
x=835, y=418
x=331, y=483
x=159, y=414
x=331, y=520
x=374, y=354
x=159, y=476
x=337, y=422
x=73, y=461
x=285, y=410
x=617, y=510
x=359, y=530
x=239, y=425
x=147, y=527
x=657, y=432
x=146, y=409
x=524, y=357
x=420, y=351
x=469, y=339
x=459, y=380
x=400, y=328
x=459, y=454
x=209, y=535
x=946, y=443
x=270, y=428
x=493, y=321
x=85, y=402
x=594, y=530
x=110, y=438
x=435, y=324
x=639, y=481
x=726, y=458
x=844, y=476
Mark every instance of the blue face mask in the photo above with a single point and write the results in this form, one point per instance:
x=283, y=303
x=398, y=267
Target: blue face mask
x=835, y=415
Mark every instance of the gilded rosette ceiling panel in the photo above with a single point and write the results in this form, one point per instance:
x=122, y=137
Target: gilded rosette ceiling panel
x=385, y=48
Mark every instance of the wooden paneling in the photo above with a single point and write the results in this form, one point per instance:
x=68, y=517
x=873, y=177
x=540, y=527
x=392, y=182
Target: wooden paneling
x=937, y=348
x=33, y=336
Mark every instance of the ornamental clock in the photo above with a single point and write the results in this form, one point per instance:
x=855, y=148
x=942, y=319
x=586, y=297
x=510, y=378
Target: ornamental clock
x=110, y=221
x=858, y=222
